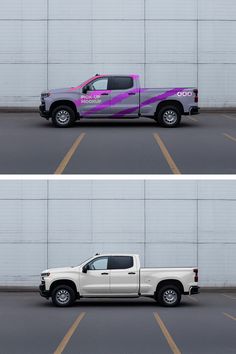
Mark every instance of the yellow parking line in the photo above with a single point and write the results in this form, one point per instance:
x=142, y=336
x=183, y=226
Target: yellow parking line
x=227, y=116
x=167, y=335
x=69, y=155
x=229, y=137
x=69, y=334
x=167, y=155
x=229, y=297
x=229, y=316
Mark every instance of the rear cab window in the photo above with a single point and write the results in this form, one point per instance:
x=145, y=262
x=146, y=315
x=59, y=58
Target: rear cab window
x=120, y=83
x=120, y=262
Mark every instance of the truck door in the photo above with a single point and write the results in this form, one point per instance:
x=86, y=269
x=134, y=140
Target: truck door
x=124, y=276
x=96, y=281
x=96, y=101
x=124, y=96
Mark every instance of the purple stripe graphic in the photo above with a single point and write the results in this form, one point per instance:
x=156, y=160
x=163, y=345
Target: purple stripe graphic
x=154, y=99
x=113, y=101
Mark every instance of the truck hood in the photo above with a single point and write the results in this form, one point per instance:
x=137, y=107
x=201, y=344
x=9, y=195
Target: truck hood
x=59, y=270
x=60, y=90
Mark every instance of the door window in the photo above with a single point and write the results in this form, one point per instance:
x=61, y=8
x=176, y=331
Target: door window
x=121, y=262
x=98, y=85
x=98, y=264
x=120, y=83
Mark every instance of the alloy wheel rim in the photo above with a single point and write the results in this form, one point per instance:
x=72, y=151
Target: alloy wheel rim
x=170, y=117
x=63, y=296
x=170, y=296
x=63, y=117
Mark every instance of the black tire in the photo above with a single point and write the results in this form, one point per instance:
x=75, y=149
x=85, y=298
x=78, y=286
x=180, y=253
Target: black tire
x=63, y=116
x=169, y=117
x=169, y=296
x=63, y=296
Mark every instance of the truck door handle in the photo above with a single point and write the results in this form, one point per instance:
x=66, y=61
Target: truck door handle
x=104, y=94
x=131, y=93
x=131, y=273
x=104, y=273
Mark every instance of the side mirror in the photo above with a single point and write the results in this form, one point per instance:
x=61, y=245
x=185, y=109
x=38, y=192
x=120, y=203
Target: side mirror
x=85, y=89
x=85, y=268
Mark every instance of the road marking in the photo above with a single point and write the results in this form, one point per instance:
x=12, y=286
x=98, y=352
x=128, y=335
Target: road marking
x=230, y=316
x=229, y=137
x=69, y=155
x=167, y=335
x=229, y=297
x=227, y=116
x=166, y=154
x=192, y=298
x=69, y=334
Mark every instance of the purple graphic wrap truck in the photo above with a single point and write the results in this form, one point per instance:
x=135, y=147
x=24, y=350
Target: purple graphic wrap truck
x=118, y=96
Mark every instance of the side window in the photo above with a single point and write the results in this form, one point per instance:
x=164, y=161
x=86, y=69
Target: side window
x=98, y=264
x=120, y=262
x=98, y=85
x=120, y=83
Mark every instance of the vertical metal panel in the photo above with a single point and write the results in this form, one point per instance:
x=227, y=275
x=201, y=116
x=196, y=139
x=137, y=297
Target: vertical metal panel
x=170, y=189
x=113, y=9
x=118, y=220
x=165, y=39
x=217, y=9
x=69, y=42
x=69, y=221
x=23, y=9
x=70, y=9
x=23, y=189
x=171, y=220
x=22, y=264
x=118, y=189
x=170, y=9
x=217, y=189
x=217, y=264
x=70, y=189
x=217, y=221
x=23, y=221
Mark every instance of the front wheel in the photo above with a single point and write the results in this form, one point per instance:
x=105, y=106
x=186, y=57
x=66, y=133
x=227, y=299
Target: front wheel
x=63, y=296
x=63, y=116
x=169, y=296
x=169, y=117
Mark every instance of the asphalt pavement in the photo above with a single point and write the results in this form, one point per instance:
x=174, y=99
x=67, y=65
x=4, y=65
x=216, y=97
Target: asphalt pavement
x=203, y=324
x=203, y=144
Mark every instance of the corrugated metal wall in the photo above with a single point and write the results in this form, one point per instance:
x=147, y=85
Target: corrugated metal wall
x=169, y=223
x=57, y=43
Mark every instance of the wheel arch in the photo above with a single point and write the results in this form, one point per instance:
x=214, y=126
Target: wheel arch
x=67, y=282
x=166, y=103
x=68, y=103
x=174, y=282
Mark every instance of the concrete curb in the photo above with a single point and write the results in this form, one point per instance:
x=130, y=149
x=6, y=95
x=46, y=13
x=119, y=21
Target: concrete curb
x=24, y=289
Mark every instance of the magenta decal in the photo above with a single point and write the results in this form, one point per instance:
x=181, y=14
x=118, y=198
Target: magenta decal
x=154, y=99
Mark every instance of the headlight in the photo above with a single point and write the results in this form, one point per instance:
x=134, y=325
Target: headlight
x=45, y=274
x=45, y=94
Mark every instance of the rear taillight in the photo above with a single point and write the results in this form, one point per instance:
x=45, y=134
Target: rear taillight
x=196, y=275
x=196, y=95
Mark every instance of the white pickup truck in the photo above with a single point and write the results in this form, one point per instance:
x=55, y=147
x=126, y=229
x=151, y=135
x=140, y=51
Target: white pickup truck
x=117, y=275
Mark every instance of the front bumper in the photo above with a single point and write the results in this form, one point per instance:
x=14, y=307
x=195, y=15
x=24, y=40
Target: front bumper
x=43, y=112
x=43, y=292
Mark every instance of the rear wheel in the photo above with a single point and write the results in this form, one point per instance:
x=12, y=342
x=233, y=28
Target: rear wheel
x=169, y=117
x=169, y=296
x=63, y=296
x=63, y=116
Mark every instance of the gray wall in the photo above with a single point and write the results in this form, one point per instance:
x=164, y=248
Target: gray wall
x=169, y=223
x=58, y=43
